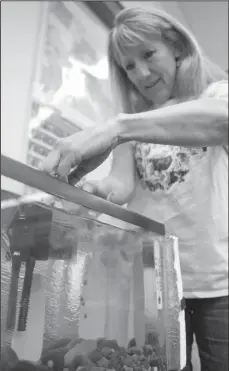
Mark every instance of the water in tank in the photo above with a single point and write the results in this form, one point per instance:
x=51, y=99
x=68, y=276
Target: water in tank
x=83, y=290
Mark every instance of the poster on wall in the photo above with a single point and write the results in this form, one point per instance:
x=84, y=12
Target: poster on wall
x=71, y=87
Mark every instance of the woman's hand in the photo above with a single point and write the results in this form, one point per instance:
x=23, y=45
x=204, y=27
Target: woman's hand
x=110, y=188
x=83, y=152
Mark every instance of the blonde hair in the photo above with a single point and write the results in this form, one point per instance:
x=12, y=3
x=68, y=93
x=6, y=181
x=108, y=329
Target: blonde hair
x=132, y=27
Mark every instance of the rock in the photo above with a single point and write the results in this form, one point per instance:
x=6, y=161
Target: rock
x=137, y=368
x=83, y=348
x=95, y=356
x=103, y=343
x=82, y=368
x=103, y=362
x=112, y=363
x=56, y=356
x=122, y=352
x=154, y=361
x=136, y=358
x=57, y=344
x=8, y=358
x=52, y=353
x=113, y=344
x=74, y=342
x=28, y=366
x=77, y=361
x=147, y=350
x=132, y=343
x=126, y=368
x=115, y=354
x=100, y=343
x=128, y=361
x=106, y=352
x=134, y=350
x=145, y=364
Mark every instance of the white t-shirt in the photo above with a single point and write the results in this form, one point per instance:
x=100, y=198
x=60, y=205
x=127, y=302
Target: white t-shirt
x=187, y=190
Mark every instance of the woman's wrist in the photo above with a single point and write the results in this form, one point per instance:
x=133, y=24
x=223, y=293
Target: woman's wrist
x=121, y=128
x=130, y=127
x=115, y=128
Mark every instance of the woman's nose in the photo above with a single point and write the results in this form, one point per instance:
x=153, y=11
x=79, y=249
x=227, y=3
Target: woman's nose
x=143, y=70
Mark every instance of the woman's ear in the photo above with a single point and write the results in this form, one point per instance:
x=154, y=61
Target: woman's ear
x=177, y=54
x=176, y=42
x=178, y=61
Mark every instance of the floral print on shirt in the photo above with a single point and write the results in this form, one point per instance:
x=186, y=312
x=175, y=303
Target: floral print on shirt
x=162, y=166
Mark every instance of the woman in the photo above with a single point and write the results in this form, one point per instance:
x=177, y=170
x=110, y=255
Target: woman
x=172, y=131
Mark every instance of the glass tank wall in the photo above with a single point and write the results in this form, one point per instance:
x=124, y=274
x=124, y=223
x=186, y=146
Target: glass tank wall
x=85, y=284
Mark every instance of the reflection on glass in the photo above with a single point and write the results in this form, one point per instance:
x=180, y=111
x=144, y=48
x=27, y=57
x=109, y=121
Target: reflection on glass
x=71, y=89
x=91, y=281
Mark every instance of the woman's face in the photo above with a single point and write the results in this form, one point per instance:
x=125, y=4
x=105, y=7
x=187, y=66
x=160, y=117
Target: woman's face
x=151, y=67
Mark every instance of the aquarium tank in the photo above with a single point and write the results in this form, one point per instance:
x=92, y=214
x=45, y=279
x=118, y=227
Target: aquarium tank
x=86, y=285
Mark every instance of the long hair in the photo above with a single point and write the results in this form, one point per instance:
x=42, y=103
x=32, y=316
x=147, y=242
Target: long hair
x=131, y=28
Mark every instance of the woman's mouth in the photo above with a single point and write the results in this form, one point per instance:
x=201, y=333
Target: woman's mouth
x=152, y=84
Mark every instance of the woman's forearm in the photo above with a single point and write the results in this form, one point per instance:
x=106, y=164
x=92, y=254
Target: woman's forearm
x=195, y=123
x=123, y=166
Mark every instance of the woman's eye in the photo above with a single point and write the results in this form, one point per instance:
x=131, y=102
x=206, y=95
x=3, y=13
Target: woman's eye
x=149, y=54
x=129, y=67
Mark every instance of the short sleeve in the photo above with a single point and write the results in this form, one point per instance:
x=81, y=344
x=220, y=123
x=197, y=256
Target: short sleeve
x=217, y=90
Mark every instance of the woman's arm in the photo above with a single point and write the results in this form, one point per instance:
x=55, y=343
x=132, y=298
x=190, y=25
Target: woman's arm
x=196, y=123
x=123, y=166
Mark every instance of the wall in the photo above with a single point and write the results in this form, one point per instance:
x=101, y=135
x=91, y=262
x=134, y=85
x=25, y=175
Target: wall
x=21, y=41
x=19, y=32
x=142, y=4
x=20, y=22
x=171, y=7
x=207, y=20
x=209, y=23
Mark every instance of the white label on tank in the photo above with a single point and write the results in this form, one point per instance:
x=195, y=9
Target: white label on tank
x=182, y=313
x=177, y=267
x=182, y=340
x=158, y=273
